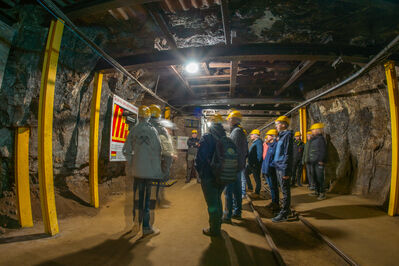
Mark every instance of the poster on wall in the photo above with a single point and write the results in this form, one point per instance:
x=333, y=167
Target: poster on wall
x=124, y=117
x=182, y=143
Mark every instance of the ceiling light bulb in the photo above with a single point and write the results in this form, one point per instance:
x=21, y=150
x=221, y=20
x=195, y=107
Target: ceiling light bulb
x=192, y=67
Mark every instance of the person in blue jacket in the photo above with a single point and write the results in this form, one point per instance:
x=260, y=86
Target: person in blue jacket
x=268, y=170
x=283, y=163
x=255, y=160
x=211, y=189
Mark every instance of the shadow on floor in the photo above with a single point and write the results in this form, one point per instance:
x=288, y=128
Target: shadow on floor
x=63, y=189
x=110, y=252
x=14, y=239
x=305, y=198
x=219, y=254
x=344, y=212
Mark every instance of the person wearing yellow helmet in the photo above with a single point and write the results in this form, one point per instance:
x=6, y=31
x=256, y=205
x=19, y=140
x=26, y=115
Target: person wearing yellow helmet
x=211, y=189
x=306, y=162
x=192, y=144
x=268, y=171
x=297, y=160
x=142, y=150
x=234, y=191
x=283, y=163
x=317, y=159
x=255, y=162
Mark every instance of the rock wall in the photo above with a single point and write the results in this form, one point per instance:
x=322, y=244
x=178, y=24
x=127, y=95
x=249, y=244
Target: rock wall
x=19, y=94
x=358, y=132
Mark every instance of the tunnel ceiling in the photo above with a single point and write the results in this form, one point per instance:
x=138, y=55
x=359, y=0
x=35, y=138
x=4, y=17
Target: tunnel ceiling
x=148, y=26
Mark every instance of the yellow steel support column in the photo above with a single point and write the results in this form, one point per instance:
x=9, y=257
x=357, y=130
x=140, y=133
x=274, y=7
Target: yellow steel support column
x=94, y=124
x=22, y=176
x=45, y=127
x=302, y=126
x=392, y=82
x=167, y=113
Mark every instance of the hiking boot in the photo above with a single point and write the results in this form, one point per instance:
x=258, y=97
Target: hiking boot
x=208, y=232
x=279, y=218
x=322, y=196
x=311, y=188
x=151, y=231
x=187, y=181
x=314, y=194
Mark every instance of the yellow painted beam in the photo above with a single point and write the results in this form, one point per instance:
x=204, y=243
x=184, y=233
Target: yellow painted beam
x=392, y=83
x=94, y=125
x=45, y=127
x=303, y=129
x=167, y=113
x=22, y=176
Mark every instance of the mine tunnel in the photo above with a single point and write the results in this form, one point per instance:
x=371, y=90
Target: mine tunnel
x=199, y=132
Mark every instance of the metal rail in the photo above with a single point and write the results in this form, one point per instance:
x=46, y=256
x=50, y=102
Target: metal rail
x=267, y=234
x=325, y=239
x=384, y=53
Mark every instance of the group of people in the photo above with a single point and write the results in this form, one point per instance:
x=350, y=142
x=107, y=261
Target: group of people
x=279, y=160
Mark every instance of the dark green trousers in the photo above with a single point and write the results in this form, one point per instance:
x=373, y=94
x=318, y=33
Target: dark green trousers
x=213, y=197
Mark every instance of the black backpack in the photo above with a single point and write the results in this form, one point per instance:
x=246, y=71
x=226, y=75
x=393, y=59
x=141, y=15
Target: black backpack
x=224, y=162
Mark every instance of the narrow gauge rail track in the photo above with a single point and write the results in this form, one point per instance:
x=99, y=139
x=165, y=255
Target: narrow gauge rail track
x=308, y=224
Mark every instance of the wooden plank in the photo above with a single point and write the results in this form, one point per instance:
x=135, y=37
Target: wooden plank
x=45, y=127
x=233, y=77
x=209, y=77
x=182, y=79
x=22, y=176
x=94, y=127
x=84, y=8
x=210, y=86
x=299, y=70
x=248, y=52
x=234, y=101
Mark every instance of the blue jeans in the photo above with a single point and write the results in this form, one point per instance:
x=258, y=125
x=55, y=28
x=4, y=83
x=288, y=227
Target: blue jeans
x=144, y=190
x=212, y=194
x=233, y=195
x=243, y=183
x=285, y=185
x=271, y=180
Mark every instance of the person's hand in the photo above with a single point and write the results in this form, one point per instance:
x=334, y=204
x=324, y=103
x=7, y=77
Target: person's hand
x=286, y=177
x=321, y=163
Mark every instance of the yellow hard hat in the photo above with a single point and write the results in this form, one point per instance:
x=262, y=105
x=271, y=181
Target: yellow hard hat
x=218, y=119
x=245, y=132
x=317, y=126
x=256, y=132
x=309, y=133
x=272, y=132
x=144, y=111
x=234, y=113
x=283, y=118
x=297, y=134
x=155, y=111
x=194, y=131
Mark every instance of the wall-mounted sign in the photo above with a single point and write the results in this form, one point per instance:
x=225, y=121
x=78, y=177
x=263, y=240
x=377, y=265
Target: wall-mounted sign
x=124, y=117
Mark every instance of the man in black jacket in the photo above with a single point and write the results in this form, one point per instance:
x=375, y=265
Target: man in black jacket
x=192, y=144
x=233, y=192
x=317, y=159
x=297, y=152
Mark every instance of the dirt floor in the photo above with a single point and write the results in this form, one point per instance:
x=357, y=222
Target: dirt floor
x=103, y=237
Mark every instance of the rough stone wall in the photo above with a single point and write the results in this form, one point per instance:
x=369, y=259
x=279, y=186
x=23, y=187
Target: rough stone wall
x=357, y=129
x=73, y=92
